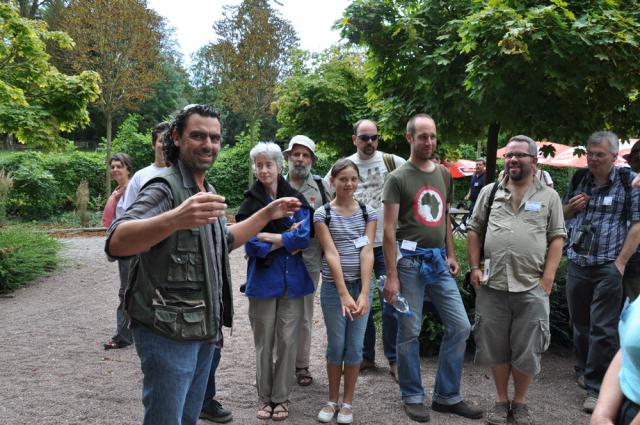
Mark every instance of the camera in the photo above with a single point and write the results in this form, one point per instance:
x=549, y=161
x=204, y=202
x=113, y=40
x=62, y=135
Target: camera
x=584, y=239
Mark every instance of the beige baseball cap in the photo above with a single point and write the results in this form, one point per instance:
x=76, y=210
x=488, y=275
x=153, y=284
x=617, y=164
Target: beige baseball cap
x=302, y=141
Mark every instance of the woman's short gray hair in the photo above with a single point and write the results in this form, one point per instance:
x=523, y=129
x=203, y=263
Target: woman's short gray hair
x=270, y=150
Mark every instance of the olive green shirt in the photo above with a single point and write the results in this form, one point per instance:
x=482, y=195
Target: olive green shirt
x=422, y=209
x=516, y=242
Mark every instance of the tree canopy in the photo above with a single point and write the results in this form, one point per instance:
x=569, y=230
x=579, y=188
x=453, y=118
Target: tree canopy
x=120, y=39
x=550, y=69
x=251, y=55
x=36, y=100
x=322, y=98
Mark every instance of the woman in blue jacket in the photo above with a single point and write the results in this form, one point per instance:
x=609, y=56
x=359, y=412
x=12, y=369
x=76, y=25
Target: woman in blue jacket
x=277, y=281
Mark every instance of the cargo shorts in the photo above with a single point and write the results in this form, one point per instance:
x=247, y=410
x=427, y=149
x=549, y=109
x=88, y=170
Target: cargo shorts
x=511, y=328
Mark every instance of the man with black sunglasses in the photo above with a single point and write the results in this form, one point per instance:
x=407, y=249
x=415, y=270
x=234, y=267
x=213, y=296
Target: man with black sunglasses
x=374, y=166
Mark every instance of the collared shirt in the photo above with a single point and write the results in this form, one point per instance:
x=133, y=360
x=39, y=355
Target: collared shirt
x=605, y=215
x=516, y=241
x=312, y=256
x=156, y=199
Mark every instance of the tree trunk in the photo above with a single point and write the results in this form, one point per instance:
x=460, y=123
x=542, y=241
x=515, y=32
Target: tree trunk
x=492, y=149
x=107, y=179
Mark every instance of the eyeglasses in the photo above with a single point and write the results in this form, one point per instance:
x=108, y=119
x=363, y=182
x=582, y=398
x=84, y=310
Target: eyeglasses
x=518, y=155
x=366, y=137
x=598, y=155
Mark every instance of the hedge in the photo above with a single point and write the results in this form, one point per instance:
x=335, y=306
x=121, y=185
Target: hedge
x=25, y=255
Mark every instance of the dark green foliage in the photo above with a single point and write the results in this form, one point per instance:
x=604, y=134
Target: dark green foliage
x=229, y=173
x=132, y=142
x=45, y=184
x=25, y=255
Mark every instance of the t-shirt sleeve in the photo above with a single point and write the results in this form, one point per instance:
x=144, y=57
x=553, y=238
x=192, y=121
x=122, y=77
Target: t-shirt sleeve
x=319, y=215
x=391, y=190
x=372, y=214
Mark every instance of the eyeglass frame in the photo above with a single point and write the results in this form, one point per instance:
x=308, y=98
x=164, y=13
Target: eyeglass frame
x=518, y=155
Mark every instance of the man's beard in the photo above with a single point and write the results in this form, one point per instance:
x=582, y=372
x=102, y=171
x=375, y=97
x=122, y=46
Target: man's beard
x=299, y=171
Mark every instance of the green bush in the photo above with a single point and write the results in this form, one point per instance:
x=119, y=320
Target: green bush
x=25, y=255
x=45, y=184
x=130, y=141
x=229, y=174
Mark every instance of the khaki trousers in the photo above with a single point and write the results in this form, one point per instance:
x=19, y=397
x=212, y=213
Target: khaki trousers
x=275, y=323
x=306, y=323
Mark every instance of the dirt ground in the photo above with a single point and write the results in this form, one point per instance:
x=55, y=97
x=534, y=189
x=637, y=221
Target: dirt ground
x=53, y=369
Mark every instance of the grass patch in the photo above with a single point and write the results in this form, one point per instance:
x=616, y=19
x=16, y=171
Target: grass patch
x=26, y=254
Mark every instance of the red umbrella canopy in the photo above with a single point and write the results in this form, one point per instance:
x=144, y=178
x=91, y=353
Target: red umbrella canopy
x=462, y=168
x=576, y=156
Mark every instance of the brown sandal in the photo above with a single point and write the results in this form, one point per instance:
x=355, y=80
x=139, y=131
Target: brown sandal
x=265, y=412
x=281, y=410
x=303, y=376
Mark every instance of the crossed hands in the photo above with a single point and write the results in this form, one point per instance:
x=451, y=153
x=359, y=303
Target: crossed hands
x=354, y=309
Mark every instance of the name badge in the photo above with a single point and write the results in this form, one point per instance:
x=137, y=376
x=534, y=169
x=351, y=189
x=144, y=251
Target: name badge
x=532, y=206
x=361, y=241
x=476, y=183
x=607, y=200
x=487, y=270
x=409, y=245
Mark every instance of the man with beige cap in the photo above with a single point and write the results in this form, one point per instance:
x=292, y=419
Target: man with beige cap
x=301, y=155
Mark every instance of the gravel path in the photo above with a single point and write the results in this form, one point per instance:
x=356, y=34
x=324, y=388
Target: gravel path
x=53, y=369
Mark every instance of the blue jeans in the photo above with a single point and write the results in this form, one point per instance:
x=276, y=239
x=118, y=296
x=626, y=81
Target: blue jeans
x=175, y=377
x=344, y=336
x=417, y=275
x=210, y=392
x=389, y=321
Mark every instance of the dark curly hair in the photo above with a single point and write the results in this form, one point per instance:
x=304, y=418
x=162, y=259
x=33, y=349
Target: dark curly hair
x=171, y=151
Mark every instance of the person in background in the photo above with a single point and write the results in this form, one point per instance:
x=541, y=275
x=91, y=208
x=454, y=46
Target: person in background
x=277, y=281
x=346, y=229
x=147, y=173
x=631, y=278
x=121, y=169
x=477, y=183
x=301, y=155
x=544, y=176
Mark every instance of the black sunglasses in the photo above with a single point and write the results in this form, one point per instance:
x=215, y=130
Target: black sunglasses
x=366, y=137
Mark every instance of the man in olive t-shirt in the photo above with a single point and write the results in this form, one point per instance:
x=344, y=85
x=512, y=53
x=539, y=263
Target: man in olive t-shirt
x=416, y=225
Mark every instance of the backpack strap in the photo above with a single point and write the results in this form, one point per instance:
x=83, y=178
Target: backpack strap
x=320, y=185
x=492, y=196
x=327, y=213
x=387, y=158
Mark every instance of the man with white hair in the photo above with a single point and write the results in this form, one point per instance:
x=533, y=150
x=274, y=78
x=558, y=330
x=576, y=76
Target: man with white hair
x=301, y=155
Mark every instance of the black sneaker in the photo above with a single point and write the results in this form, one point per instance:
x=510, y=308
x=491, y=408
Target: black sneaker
x=460, y=408
x=417, y=412
x=214, y=412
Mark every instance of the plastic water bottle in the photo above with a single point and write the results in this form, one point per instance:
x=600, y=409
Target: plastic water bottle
x=401, y=304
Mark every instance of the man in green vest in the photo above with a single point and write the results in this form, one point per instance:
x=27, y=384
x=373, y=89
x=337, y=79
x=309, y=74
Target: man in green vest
x=179, y=292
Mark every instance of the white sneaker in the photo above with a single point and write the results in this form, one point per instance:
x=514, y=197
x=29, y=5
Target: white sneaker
x=345, y=416
x=327, y=413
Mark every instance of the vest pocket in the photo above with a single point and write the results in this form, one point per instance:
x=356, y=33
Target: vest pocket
x=186, y=267
x=180, y=322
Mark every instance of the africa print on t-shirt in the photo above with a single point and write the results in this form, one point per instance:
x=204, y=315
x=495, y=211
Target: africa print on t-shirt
x=428, y=206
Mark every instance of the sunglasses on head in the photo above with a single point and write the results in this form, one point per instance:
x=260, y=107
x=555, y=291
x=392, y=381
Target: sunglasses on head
x=366, y=137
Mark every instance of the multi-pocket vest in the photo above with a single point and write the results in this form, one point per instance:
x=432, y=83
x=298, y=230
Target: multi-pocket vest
x=170, y=287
